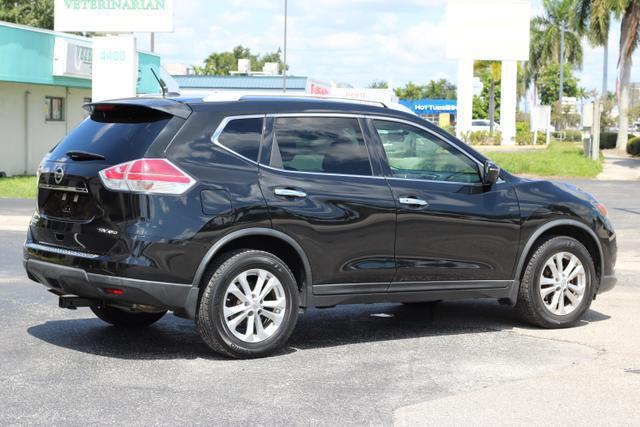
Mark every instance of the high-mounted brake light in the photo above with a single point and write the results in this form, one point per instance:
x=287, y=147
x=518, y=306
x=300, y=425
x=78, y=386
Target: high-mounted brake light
x=152, y=176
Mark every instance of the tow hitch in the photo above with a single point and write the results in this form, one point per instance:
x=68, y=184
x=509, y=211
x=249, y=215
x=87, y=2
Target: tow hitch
x=72, y=302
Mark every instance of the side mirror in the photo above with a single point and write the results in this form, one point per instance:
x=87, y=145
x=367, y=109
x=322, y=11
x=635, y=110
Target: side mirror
x=490, y=174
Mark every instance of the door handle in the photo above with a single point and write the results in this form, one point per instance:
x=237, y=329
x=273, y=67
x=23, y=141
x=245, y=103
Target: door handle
x=412, y=201
x=288, y=192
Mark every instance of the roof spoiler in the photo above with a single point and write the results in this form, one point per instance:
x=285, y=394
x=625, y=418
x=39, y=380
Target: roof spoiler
x=168, y=106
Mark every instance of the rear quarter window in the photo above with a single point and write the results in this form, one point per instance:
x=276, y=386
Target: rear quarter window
x=243, y=137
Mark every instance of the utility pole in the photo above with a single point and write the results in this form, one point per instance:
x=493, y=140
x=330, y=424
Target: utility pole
x=563, y=27
x=284, y=68
x=152, y=42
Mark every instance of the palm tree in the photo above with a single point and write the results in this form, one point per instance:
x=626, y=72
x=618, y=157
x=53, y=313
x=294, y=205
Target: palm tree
x=545, y=35
x=593, y=19
x=492, y=70
x=546, y=32
x=629, y=27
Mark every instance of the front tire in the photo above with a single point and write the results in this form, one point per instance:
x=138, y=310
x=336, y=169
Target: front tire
x=558, y=284
x=125, y=319
x=249, y=305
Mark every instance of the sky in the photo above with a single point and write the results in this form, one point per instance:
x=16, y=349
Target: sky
x=347, y=41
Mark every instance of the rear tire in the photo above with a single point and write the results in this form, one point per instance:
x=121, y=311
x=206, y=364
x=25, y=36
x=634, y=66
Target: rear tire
x=249, y=305
x=558, y=284
x=125, y=319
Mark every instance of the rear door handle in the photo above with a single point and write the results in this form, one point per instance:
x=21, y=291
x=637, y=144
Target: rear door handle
x=412, y=201
x=289, y=192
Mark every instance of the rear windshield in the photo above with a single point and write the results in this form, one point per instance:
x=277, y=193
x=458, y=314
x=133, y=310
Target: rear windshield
x=116, y=137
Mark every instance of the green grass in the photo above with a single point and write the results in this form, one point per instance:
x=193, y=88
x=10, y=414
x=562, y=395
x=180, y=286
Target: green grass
x=18, y=187
x=561, y=159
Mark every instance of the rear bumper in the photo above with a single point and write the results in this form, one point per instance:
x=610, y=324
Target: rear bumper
x=76, y=281
x=607, y=283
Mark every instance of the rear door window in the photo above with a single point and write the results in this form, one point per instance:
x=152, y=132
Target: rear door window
x=117, y=136
x=320, y=144
x=243, y=136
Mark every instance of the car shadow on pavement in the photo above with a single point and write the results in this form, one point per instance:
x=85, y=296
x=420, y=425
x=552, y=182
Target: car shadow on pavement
x=175, y=338
x=169, y=338
x=380, y=322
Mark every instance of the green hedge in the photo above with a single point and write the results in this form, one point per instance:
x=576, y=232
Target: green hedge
x=633, y=146
x=482, y=137
x=608, y=140
x=567, y=135
x=524, y=135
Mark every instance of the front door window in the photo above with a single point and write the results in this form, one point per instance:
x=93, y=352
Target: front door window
x=416, y=154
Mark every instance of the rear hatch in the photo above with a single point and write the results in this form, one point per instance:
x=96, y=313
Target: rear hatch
x=75, y=210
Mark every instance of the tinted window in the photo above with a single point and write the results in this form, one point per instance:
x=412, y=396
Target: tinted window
x=414, y=153
x=243, y=136
x=117, y=140
x=320, y=144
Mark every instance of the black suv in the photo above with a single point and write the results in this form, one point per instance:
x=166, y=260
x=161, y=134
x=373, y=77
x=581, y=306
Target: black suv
x=237, y=214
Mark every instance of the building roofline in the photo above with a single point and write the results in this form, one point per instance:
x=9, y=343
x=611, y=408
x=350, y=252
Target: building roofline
x=60, y=34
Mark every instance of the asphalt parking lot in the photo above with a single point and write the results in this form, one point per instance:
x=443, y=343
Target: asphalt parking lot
x=456, y=363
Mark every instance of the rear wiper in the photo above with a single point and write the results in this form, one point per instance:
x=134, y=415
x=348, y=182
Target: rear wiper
x=84, y=155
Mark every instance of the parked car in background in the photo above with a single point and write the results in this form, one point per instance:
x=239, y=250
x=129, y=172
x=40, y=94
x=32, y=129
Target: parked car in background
x=478, y=125
x=239, y=214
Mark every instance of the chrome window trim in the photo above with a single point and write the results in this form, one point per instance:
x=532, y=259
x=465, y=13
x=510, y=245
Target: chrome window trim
x=61, y=251
x=228, y=119
x=321, y=173
x=223, y=124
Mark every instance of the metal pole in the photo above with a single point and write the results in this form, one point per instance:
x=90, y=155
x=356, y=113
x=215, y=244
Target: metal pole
x=284, y=67
x=605, y=66
x=562, y=29
x=153, y=42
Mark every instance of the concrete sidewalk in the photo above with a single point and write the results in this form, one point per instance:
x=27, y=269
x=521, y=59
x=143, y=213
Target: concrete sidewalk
x=619, y=167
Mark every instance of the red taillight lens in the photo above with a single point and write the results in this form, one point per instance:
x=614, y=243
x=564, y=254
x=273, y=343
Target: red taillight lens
x=113, y=291
x=156, y=176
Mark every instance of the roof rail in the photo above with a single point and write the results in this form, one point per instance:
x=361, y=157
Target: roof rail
x=221, y=96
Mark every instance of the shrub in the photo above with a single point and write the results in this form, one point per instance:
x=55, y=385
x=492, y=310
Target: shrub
x=524, y=136
x=608, y=140
x=633, y=146
x=569, y=135
x=482, y=137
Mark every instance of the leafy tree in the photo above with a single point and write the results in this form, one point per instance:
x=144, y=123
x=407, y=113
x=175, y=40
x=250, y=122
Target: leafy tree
x=222, y=63
x=440, y=89
x=434, y=89
x=36, y=13
x=549, y=83
x=378, y=84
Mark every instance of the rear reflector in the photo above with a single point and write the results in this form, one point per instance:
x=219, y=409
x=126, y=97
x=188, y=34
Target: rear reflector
x=151, y=176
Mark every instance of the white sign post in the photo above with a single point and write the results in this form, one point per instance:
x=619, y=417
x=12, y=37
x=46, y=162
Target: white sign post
x=115, y=70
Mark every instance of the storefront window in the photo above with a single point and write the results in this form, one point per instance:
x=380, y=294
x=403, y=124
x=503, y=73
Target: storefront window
x=54, y=108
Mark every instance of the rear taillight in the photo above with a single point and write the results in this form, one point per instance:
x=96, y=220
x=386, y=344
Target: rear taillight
x=155, y=176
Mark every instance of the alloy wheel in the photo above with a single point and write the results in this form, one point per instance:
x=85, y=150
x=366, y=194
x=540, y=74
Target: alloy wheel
x=254, y=305
x=563, y=281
